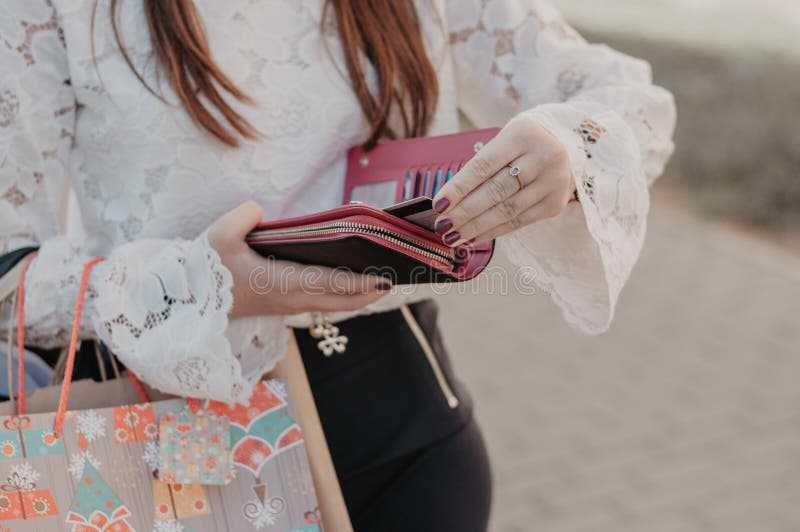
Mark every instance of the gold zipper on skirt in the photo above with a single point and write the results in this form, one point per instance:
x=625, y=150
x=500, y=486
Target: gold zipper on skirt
x=425, y=249
x=444, y=386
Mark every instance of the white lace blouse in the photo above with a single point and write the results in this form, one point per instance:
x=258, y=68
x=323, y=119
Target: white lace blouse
x=149, y=181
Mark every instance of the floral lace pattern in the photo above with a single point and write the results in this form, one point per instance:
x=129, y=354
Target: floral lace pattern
x=149, y=182
x=172, y=297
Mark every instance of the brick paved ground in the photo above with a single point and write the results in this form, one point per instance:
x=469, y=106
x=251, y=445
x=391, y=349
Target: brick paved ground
x=684, y=417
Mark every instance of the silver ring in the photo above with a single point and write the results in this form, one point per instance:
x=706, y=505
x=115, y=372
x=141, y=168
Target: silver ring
x=514, y=172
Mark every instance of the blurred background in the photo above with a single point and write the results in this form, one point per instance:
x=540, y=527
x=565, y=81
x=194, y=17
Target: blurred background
x=686, y=415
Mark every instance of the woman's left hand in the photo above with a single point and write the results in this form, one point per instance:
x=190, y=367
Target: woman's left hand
x=486, y=199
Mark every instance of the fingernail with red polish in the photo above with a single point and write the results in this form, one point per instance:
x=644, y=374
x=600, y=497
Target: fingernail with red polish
x=442, y=226
x=451, y=238
x=441, y=205
x=383, y=286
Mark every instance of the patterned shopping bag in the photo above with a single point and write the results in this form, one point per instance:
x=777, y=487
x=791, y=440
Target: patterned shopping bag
x=89, y=478
x=97, y=469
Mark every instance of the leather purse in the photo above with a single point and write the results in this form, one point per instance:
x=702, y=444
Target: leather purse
x=363, y=237
x=366, y=239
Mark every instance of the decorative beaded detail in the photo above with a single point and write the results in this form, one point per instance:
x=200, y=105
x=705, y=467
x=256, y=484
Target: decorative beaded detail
x=330, y=340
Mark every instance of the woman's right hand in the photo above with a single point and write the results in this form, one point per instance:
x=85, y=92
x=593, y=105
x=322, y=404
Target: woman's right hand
x=263, y=286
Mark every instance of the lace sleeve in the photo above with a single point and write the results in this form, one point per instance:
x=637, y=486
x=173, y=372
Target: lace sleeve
x=515, y=56
x=160, y=304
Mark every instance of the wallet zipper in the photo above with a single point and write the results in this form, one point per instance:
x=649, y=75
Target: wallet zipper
x=426, y=250
x=444, y=386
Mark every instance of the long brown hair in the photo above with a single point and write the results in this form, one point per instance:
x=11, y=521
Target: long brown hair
x=386, y=32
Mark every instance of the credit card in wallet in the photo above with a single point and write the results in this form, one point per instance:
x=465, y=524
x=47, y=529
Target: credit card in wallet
x=418, y=211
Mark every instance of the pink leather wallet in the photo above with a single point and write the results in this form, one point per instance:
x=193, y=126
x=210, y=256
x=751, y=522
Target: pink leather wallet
x=364, y=238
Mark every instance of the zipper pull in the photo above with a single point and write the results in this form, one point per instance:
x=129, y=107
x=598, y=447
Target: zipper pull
x=327, y=333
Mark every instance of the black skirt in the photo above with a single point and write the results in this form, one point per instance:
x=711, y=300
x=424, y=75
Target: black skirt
x=405, y=446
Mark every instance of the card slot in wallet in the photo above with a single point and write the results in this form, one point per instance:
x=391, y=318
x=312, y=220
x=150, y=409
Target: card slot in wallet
x=384, y=175
x=408, y=186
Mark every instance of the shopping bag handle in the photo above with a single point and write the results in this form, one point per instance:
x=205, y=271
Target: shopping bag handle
x=73, y=346
x=21, y=337
x=10, y=351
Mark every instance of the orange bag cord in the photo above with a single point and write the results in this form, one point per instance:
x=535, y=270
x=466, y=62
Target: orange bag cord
x=21, y=339
x=138, y=386
x=73, y=346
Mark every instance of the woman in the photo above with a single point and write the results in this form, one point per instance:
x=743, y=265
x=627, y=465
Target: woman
x=182, y=124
